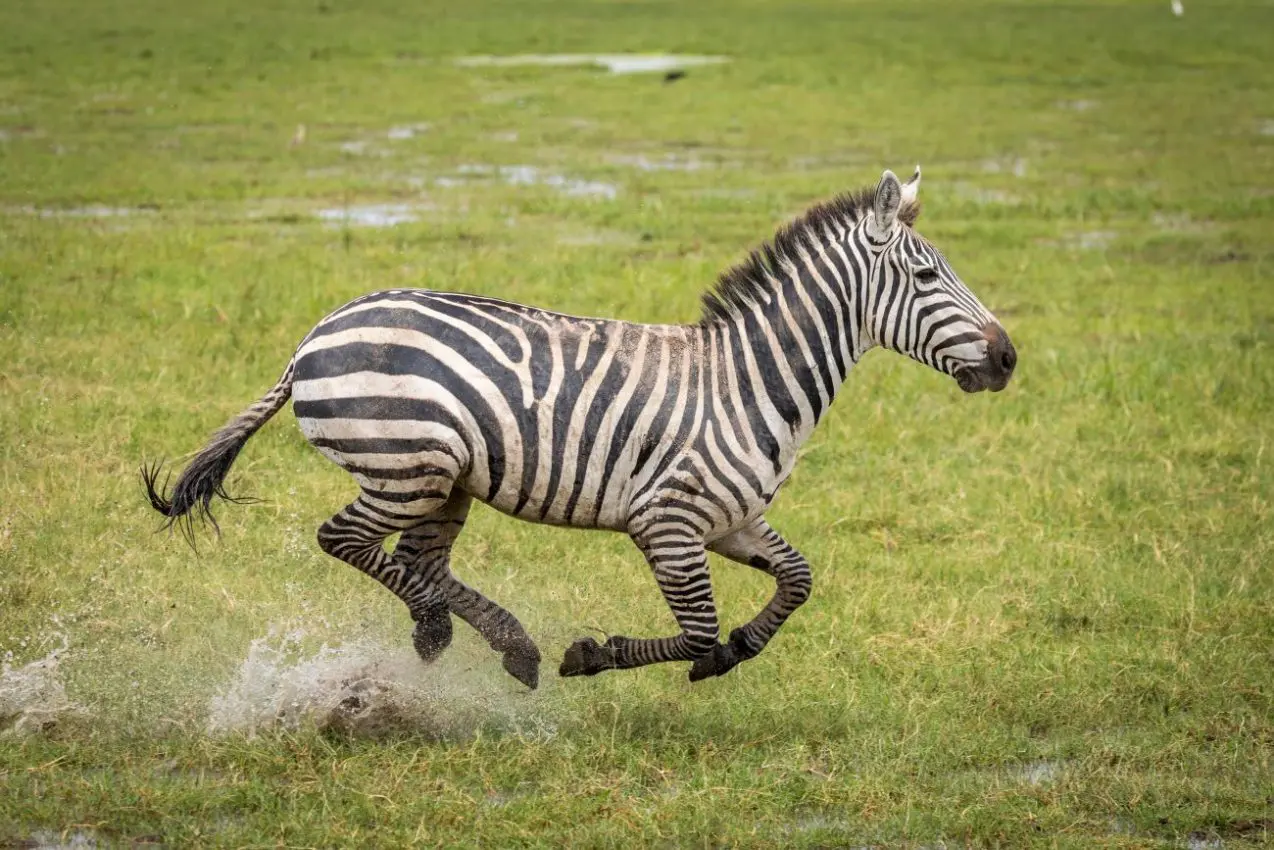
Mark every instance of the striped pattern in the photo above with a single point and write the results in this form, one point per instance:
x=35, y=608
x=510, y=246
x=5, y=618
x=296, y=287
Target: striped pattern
x=679, y=436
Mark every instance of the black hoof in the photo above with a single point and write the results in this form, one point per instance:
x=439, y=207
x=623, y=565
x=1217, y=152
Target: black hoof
x=431, y=636
x=586, y=657
x=718, y=662
x=523, y=664
x=723, y=658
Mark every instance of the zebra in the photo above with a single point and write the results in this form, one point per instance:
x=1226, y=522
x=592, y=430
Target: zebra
x=678, y=435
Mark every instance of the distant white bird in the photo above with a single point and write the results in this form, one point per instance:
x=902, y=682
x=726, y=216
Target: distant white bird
x=1178, y=8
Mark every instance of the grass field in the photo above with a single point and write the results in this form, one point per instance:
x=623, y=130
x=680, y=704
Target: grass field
x=1040, y=618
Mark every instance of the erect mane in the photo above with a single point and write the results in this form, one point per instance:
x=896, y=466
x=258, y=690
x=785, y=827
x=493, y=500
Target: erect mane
x=751, y=281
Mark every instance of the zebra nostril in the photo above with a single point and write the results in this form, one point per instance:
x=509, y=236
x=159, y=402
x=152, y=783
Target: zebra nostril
x=1008, y=360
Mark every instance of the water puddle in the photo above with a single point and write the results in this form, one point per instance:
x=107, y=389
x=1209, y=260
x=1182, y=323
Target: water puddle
x=406, y=131
x=529, y=175
x=985, y=196
x=1015, y=166
x=72, y=839
x=1179, y=223
x=1077, y=105
x=365, y=689
x=667, y=162
x=1037, y=773
x=32, y=697
x=1203, y=841
x=359, y=147
x=373, y=215
x=595, y=238
x=615, y=63
x=1084, y=240
x=89, y=211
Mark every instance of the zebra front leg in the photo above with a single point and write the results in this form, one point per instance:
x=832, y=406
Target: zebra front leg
x=357, y=536
x=680, y=564
x=761, y=547
x=427, y=547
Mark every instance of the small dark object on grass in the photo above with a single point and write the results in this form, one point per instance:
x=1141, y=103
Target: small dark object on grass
x=674, y=75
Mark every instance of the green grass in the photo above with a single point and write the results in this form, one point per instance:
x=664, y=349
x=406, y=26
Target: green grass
x=1040, y=618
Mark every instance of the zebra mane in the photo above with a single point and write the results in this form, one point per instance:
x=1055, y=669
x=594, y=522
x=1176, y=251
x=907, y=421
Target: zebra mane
x=751, y=281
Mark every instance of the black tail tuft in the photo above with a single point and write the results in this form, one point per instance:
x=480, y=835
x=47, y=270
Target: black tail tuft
x=203, y=479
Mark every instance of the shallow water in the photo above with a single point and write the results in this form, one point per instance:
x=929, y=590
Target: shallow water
x=88, y=211
x=372, y=215
x=529, y=175
x=667, y=162
x=406, y=131
x=616, y=63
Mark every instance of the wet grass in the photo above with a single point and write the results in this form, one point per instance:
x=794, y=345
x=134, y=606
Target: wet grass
x=1040, y=618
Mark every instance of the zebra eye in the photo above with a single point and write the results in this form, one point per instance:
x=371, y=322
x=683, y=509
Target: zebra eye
x=926, y=275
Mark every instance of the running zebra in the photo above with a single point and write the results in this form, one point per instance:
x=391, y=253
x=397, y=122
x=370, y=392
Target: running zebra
x=677, y=435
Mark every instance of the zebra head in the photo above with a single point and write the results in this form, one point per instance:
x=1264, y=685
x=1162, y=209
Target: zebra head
x=917, y=305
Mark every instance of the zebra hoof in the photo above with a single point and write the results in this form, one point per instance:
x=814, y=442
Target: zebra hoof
x=721, y=660
x=523, y=664
x=431, y=636
x=586, y=657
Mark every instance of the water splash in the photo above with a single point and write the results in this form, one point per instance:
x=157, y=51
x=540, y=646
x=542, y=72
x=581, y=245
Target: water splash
x=32, y=697
x=365, y=689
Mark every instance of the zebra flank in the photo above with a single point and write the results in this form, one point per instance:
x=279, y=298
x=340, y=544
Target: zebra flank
x=677, y=435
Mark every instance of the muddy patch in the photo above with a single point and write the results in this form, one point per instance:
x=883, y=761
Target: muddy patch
x=615, y=63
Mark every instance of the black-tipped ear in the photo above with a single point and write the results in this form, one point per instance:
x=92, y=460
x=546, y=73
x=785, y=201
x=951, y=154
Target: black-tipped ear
x=888, y=200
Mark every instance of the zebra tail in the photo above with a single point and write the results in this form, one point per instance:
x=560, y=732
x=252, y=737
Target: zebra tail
x=204, y=477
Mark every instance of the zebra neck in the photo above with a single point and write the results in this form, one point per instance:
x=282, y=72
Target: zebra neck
x=789, y=353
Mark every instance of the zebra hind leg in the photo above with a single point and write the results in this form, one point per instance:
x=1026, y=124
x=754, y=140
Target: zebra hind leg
x=676, y=554
x=357, y=536
x=427, y=548
x=761, y=547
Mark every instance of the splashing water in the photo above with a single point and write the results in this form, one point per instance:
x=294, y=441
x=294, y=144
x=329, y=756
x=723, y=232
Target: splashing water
x=32, y=697
x=365, y=689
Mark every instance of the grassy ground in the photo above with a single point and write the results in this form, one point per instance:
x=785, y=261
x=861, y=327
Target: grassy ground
x=1040, y=618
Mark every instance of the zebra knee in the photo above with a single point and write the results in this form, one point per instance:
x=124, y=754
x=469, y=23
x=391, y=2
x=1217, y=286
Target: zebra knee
x=328, y=540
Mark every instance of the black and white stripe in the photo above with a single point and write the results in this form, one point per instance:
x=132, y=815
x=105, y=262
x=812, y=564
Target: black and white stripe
x=678, y=435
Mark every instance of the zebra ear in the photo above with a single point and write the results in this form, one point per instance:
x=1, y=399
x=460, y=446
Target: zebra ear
x=911, y=189
x=888, y=200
